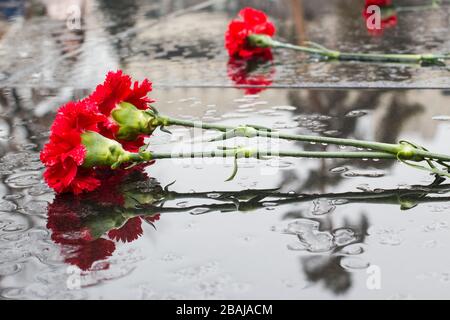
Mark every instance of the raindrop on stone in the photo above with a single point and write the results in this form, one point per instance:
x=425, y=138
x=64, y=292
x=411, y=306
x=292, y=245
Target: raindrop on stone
x=338, y=169
x=198, y=211
x=7, y=206
x=352, y=249
x=344, y=236
x=322, y=206
x=9, y=269
x=354, y=263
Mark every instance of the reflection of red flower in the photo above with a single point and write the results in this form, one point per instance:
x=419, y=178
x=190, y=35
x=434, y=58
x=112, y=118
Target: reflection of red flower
x=241, y=72
x=118, y=88
x=80, y=223
x=388, y=17
x=84, y=256
x=250, y=21
x=131, y=230
x=64, y=154
x=80, y=248
x=378, y=3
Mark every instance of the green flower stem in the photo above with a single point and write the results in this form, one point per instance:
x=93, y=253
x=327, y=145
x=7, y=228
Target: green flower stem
x=435, y=4
x=368, y=57
x=264, y=41
x=254, y=153
x=251, y=131
x=167, y=121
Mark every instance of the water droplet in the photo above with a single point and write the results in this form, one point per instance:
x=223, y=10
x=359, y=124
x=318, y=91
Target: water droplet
x=300, y=226
x=322, y=206
x=364, y=173
x=39, y=190
x=344, y=236
x=7, y=206
x=441, y=118
x=38, y=207
x=317, y=241
x=389, y=237
x=296, y=246
x=436, y=226
x=338, y=169
x=269, y=204
x=23, y=180
x=182, y=204
x=352, y=249
x=9, y=269
x=12, y=293
x=277, y=163
x=14, y=196
x=14, y=228
x=430, y=244
x=286, y=108
x=198, y=211
x=354, y=263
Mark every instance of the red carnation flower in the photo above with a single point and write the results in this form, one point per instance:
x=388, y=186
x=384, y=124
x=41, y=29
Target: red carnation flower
x=116, y=89
x=76, y=148
x=248, y=73
x=250, y=21
x=64, y=154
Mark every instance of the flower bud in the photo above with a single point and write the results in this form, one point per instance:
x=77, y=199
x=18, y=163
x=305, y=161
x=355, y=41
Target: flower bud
x=101, y=151
x=132, y=121
x=104, y=152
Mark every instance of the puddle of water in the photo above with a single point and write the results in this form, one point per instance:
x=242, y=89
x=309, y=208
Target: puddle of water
x=314, y=237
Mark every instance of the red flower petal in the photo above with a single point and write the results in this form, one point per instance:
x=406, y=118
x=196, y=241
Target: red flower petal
x=64, y=154
x=116, y=89
x=138, y=96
